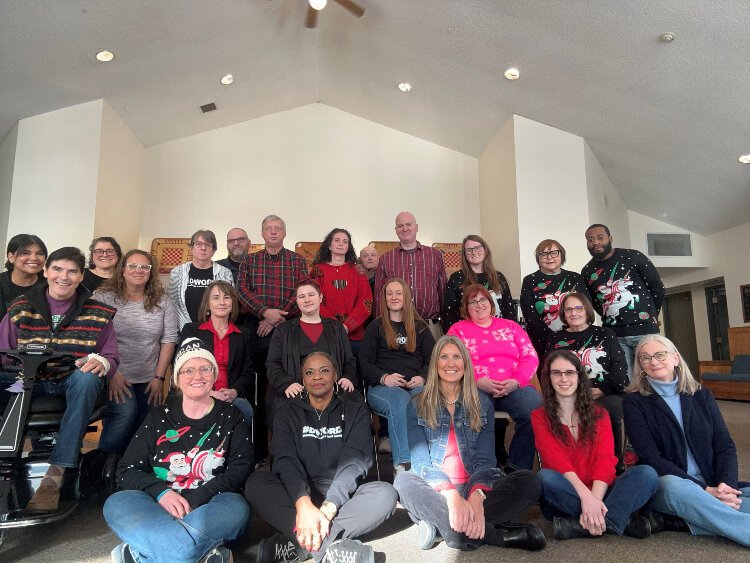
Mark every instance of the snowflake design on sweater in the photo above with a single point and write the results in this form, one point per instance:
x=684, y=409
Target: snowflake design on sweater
x=471, y=345
x=528, y=350
x=502, y=334
x=482, y=371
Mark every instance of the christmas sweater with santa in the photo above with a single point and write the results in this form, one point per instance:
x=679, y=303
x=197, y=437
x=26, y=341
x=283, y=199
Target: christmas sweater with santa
x=626, y=291
x=196, y=458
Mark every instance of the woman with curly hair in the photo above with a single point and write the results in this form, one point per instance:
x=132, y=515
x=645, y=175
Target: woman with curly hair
x=476, y=267
x=347, y=296
x=574, y=437
x=146, y=329
x=104, y=256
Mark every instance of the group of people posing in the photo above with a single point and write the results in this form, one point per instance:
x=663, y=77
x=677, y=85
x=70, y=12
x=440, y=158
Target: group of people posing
x=272, y=360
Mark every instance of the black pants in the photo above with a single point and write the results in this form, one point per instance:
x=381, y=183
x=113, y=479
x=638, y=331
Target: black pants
x=613, y=405
x=510, y=497
x=262, y=399
x=370, y=506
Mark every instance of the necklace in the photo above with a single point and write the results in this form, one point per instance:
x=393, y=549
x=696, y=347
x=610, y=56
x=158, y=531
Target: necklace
x=318, y=413
x=450, y=403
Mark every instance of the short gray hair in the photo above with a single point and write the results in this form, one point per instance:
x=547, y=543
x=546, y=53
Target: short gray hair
x=272, y=218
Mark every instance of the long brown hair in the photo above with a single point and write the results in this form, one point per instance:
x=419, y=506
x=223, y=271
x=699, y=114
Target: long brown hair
x=152, y=293
x=429, y=401
x=409, y=317
x=584, y=406
x=204, y=310
x=470, y=277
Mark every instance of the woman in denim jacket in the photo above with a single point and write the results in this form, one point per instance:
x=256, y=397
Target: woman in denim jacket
x=454, y=486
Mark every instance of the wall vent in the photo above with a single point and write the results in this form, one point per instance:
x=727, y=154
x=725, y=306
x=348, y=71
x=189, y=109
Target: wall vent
x=669, y=244
x=205, y=108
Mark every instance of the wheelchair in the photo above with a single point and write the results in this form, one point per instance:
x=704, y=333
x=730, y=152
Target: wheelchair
x=28, y=430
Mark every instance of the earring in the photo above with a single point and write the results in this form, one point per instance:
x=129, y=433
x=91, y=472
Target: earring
x=336, y=388
x=304, y=394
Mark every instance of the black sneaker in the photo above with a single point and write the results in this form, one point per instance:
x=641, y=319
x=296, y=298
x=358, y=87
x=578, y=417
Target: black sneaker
x=349, y=551
x=276, y=549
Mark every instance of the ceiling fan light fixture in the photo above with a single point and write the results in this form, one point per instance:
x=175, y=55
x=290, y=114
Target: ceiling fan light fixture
x=318, y=4
x=105, y=56
x=405, y=87
x=744, y=159
x=512, y=73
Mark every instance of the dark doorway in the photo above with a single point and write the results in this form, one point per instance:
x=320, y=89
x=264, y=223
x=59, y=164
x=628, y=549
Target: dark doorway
x=718, y=321
x=679, y=326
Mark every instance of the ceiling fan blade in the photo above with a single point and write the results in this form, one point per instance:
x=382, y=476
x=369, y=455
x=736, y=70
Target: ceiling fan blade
x=311, y=20
x=353, y=7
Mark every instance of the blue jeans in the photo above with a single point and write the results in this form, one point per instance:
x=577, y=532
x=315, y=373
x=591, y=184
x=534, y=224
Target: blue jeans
x=519, y=405
x=628, y=345
x=391, y=403
x=630, y=492
x=156, y=536
x=80, y=390
x=122, y=420
x=705, y=514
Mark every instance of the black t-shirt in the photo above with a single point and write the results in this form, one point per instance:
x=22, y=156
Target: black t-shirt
x=9, y=291
x=198, y=280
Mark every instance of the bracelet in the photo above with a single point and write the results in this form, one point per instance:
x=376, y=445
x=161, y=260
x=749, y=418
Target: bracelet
x=159, y=378
x=382, y=379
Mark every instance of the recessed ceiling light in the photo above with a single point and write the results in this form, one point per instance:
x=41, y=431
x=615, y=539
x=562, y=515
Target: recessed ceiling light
x=745, y=159
x=404, y=87
x=105, y=56
x=667, y=37
x=318, y=4
x=227, y=79
x=512, y=73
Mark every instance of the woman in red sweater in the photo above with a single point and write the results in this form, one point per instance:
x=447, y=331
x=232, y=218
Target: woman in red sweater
x=347, y=296
x=574, y=438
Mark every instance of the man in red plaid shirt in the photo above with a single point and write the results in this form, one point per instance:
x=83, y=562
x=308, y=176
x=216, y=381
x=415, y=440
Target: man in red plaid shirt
x=266, y=285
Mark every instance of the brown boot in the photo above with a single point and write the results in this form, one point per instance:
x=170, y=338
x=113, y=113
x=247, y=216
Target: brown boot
x=47, y=496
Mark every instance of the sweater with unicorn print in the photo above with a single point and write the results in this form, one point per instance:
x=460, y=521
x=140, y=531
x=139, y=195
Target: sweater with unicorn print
x=196, y=458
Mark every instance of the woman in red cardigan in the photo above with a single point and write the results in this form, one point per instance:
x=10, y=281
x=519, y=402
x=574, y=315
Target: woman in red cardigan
x=574, y=438
x=347, y=296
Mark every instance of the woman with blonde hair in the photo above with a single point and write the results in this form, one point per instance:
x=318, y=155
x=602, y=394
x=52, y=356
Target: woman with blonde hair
x=393, y=360
x=454, y=486
x=675, y=426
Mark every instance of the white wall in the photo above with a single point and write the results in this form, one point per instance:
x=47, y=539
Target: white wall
x=550, y=180
x=119, y=197
x=605, y=204
x=315, y=166
x=497, y=201
x=641, y=225
x=55, y=175
x=7, y=165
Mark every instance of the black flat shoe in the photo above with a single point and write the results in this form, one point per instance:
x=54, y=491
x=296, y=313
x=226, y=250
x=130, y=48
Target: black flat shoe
x=639, y=526
x=521, y=535
x=661, y=522
x=569, y=528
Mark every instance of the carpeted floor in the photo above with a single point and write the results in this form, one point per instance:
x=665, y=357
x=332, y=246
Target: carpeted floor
x=85, y=537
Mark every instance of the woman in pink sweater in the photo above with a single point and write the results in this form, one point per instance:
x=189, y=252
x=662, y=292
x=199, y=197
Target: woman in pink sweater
x=504, y=362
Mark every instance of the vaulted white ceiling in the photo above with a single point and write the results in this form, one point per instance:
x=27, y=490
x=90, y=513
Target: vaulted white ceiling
x=667, y=121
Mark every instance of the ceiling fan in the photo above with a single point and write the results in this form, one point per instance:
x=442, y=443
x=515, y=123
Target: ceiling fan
x=311, y=20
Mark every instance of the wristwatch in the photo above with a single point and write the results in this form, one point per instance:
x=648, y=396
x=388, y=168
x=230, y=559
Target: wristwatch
x=329, y=507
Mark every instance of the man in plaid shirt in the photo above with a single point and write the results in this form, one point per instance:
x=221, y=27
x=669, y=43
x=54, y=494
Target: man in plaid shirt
x=266, y=285
x=421, y=267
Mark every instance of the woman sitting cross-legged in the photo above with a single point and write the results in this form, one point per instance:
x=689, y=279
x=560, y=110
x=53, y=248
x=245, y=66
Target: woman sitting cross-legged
x=393, y=360
x=182, y=471
x=454, y=486
x=575, y=442
x=322, y=450
x=675, y=426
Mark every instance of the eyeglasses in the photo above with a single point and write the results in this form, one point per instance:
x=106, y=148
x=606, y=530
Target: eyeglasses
x=576, y=309
x=550, y=254
x=133, y=267
x=202, y=245
x=102, y=252
x=192, y=372
x=477, y=302
x=474, y=249
x=236, y=240
x=658, y=356
x=566, y=373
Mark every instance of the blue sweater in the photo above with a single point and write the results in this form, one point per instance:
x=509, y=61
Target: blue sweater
x=659, y=440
